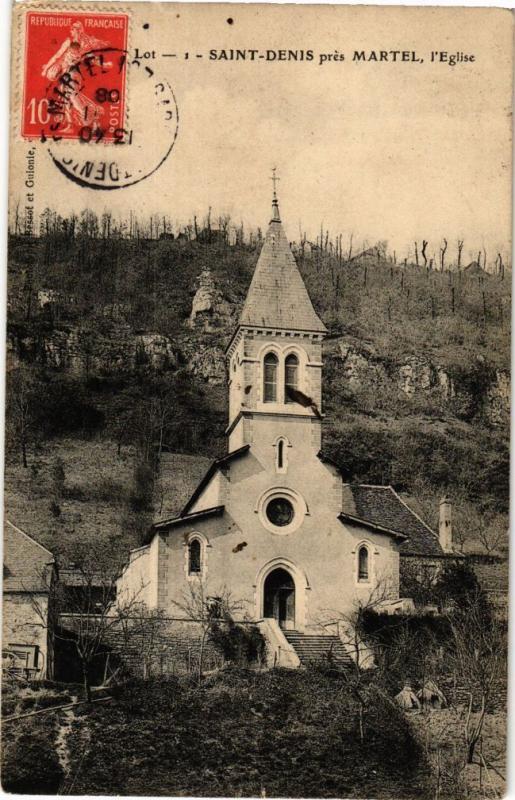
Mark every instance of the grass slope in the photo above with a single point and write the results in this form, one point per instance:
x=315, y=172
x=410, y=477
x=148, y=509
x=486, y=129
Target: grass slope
x=94, y=509
x=283, y=733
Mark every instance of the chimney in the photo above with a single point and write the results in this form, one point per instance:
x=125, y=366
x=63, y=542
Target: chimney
x=445, y=525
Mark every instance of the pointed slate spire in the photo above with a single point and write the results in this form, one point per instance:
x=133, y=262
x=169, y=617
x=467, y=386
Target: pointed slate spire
x=277, y=296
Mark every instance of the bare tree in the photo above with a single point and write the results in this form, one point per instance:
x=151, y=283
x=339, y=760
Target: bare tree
x=350, y=627
x=423, y=251
x=460, y=250
x=349, y=254
x=86, y=615
x=106, y=222
x=501, y=266
x=22, y=403
x=17, y=226
x=207, y=608
x=492, y=532
x=443, y=250
x=478, y=656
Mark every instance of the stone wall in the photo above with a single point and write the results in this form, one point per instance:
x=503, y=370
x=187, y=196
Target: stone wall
x=153, y=645
x=22, y=625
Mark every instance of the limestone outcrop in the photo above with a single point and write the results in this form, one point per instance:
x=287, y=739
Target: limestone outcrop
x=360, y=367
x=84, y=352
x=210, y=311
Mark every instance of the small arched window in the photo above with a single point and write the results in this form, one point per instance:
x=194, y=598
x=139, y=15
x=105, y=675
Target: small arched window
x=280, y=454
x=194, y=557
x=270, y=378
x=281, y=446
x=291, y=377
x=363, y=563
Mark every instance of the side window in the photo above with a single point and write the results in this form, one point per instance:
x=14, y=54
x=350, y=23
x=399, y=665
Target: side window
x=194, y=557
x=363, y=568
x=291, y=378
x=270, y=378
x=281, y=455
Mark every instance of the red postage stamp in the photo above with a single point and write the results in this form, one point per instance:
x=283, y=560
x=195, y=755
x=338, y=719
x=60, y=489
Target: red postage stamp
x=74, y=76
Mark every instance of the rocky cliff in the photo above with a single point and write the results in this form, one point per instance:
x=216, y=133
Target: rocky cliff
x=352, y=365
x=85, y=352
x=358, y=364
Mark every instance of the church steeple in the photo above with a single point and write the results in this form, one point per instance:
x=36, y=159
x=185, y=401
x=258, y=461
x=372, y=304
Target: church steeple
x=275, y=355
x=277, y=296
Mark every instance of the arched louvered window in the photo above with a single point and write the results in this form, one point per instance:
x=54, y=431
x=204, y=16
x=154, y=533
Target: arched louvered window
x=291, y=377
x=194, y=557
x=363, y=572
x=270, y=378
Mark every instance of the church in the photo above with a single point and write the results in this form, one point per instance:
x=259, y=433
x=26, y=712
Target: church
x=273, y=521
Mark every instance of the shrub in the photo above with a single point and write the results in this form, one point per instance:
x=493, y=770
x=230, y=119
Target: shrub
x=30, y=765
x=9, y=705
x=58, y=477
x=108, y=490
x=55, y=509
x=239, y=644
x=143, y=488
x=145, y=697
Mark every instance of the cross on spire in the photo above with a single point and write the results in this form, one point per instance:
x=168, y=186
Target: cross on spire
x=274, y=180
x=275, y=204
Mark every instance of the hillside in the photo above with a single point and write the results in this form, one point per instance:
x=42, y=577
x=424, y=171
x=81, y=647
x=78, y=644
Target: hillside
x=240, y=733
x=93, y=513
x=117, y=346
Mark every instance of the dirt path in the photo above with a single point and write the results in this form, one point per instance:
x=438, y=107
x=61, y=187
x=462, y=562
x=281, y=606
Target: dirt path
x=64, y=721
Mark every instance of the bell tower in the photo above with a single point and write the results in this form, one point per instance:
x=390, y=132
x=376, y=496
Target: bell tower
x=275, y=355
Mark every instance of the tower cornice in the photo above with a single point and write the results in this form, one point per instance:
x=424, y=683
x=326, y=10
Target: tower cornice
x=252, y=412
x=295, y=334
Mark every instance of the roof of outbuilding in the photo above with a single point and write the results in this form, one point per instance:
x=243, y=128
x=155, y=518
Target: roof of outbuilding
x=26, y=562
x=277, y=297
x=372, y=525
x=381, y=505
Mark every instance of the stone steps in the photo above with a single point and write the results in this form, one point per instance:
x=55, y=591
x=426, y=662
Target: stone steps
x=316, y=649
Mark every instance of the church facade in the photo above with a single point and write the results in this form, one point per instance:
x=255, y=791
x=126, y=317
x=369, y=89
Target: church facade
x=273, y=521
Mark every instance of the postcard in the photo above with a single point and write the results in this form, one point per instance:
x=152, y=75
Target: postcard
x=258, y=400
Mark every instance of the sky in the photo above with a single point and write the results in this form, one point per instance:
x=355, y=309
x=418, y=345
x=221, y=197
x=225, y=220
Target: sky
x=383, y=151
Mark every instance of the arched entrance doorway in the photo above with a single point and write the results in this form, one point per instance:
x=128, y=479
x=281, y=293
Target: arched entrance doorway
x=279, y=598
